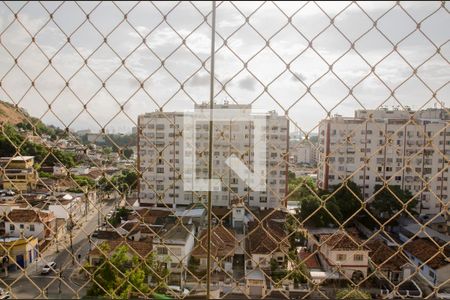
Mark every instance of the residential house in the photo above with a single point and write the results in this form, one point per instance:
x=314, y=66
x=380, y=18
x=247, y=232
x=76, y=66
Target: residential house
x=60, y=171
x=80, y=170
x=255, y=283
x=31, y=222
x=174, y=246
x=70, y=207
x=434, y=264
x=223, y=243
x=388, y=263
x=311, y=260
x=18, y=252
x=196, y=215
x=266, y=240
x=18, y=173
x=141, y=249
x=342, y=252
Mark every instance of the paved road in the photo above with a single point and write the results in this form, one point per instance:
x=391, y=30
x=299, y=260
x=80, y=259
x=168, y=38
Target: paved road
x=33, y=284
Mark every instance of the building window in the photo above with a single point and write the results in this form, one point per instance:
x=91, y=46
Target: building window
x=21, y=226
x=31, y=227
x=358, y=257
x=162, y=251
x=341, y=257
x=12, y=227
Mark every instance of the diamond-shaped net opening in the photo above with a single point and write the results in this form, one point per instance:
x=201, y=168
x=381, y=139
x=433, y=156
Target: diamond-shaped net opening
x=224, y=150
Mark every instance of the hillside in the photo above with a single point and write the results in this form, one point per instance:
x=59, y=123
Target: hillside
x=10, y=114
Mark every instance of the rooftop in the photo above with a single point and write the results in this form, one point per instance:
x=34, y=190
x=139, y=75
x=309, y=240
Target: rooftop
x=341, y=241
x=176, y=234
x=415, y=228
x=426, y=251
x=310, y=259
x=384, y=256
x=140, y=248
x=223, y=243
x=191, y=213
x=16, y=158
x=29, y=216
x=265, y=237
x=255, y=274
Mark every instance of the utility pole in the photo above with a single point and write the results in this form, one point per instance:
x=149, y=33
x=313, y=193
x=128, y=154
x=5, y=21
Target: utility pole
x=59, y=285
x=71, y=242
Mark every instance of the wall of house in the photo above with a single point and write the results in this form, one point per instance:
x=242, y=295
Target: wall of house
x=74, y=208
x=177, y=253
x=443, y=274
x=348, y=265
x=260, y=260
x=39, y=229
x=425, y=270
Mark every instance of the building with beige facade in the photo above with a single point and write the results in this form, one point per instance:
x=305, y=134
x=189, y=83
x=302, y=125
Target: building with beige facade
x=161, y=157
x=406, y=148
x=18, y=173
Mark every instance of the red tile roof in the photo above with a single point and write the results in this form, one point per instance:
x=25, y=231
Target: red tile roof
x=265, y=237
x=310, y=260
x=29, y=216
x=425, y=250
x=384, y=256
x=341, y=241
x=223, y=243
x=140, y=248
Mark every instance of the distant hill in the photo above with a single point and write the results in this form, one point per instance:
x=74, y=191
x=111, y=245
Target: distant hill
x=10, y=114
x=19, y=118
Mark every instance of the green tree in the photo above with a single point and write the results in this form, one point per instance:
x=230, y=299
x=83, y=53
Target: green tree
x=301, y=187
x=123, y=275
x=128, y=152
x=332, y=214
x=349, y=293
x=300, y=272
x=348, y=198
x=390, y=200
x=121, y=214
x=12, y=143
x=83, y=181
x=315, y=215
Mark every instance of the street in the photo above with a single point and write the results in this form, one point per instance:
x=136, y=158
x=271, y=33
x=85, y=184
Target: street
x=30, y=283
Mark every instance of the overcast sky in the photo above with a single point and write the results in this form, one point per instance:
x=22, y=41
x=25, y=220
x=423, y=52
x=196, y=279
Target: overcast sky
x=246, y=64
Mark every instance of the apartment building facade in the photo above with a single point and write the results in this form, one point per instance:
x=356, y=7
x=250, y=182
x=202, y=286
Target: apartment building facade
x=161, y=156
x=406, y=148
x=18, y=173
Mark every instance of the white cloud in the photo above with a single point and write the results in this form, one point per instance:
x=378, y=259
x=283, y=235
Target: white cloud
x=163, y=41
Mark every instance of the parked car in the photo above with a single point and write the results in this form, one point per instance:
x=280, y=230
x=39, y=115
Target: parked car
x=48, y=268
x=4, y=294
x=177, y=291
x=443, y=293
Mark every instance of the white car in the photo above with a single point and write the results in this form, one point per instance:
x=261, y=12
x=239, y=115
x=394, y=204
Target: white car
x=443, y=293
x=4, y=294
x=48, y=268
x=177, y=291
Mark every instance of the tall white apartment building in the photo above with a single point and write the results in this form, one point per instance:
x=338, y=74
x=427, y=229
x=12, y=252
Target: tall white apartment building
x=406, y=148
x=302, y=152
x=161, y=157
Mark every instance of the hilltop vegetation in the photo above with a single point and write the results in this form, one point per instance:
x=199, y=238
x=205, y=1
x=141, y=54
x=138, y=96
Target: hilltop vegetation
x=13, y=143
x=15, y=122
